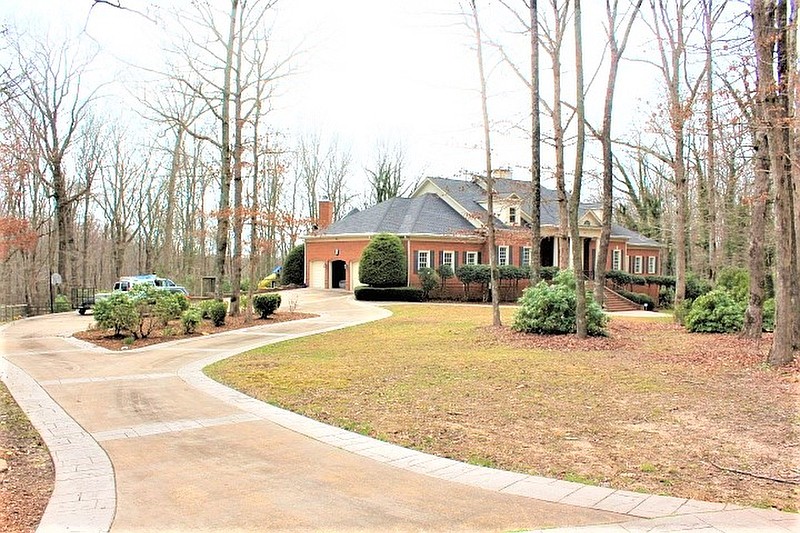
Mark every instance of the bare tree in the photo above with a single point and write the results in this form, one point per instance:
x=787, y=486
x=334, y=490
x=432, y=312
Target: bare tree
x=51, y=102
x=616, y=49
x=577, y=182
x=386, y=177
x=489, y=180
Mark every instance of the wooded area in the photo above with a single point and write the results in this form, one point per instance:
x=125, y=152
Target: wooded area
x=206, y=187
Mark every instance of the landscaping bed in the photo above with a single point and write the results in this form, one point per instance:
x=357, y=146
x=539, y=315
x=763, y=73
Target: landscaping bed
x=650, y=408
x=107, y=339
x=26, y=484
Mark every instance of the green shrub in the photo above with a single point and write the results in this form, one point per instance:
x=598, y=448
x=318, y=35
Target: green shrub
x=190, y=319
x=116, y=312
x=513, y=272
x=695, y=287
x=550, y=309
x=469, y=274
x=389, y=294
x=768, y=322
x=169, y=306
x=624, y=278
x=639, y=298
x=429, y=279
x=217, y=311
x=445, y=273
x=736, y=281
x=146, y=300
x=205, y=308
x=266, y=304
x=293, y=266
x=61, y=304
x=548, y=273
x=661, y=281
x=383, y=262
x=715, y=312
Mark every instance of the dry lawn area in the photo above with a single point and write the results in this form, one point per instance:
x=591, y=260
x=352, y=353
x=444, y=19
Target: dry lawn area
x=651, y=408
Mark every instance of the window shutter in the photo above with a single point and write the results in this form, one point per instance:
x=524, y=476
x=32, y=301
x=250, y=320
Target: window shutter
x=521, y=251
x=416, y=262
x=465, y=258
x=510, y=255
x=455, y=260
x=441, y=257
x=479, y=258
x=431, y=256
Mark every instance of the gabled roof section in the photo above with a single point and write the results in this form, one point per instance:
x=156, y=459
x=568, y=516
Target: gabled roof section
x=427, y=214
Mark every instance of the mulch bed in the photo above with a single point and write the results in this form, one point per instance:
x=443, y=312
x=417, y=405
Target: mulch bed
x=106, y=338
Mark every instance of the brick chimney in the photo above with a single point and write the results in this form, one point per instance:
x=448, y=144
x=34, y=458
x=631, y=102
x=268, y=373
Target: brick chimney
x=325, y=214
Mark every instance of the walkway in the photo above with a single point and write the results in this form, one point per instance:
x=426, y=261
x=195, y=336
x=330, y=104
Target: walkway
x=142, y=440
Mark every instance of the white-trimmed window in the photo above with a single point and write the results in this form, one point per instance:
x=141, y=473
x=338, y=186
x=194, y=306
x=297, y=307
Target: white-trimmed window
x=526, y=255
x=651, y=264
x=472, y=258
x=423, y=259
x=512, y=215
x=449, y=258
x=616, y=260
x=637, y=264
x=502, y=255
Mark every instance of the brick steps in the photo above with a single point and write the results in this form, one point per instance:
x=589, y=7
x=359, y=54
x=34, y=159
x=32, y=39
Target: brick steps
x=614, y=302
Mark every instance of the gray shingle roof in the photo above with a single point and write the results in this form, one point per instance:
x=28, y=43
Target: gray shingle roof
x=425, y=214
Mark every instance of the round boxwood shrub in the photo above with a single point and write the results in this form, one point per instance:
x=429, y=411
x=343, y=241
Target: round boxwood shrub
x=715, y=312
x=293, y=265
x=383, y=262
x=217, y=311
x=429, y=279
x=550, y=309
x=266, y=304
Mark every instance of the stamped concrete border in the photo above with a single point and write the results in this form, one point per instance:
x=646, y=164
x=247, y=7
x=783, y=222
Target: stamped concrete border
x=84, y=495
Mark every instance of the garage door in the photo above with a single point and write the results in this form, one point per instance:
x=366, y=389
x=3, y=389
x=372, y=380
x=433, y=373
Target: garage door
x=354, y=272
x=316, y=274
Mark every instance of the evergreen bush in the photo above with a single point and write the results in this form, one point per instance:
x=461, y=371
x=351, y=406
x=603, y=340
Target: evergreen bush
x=116, y=312
x=768, y=322
x=293, y=266
x=550, y=309
x=190, y=319
x=736, y=281
x=61, y=304
x=383, y=262
x=217, y=311
x=715, y=312
x=429, y=279
x=266, y=304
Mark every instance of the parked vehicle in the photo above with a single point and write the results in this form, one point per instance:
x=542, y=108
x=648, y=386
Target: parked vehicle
x=84, y=299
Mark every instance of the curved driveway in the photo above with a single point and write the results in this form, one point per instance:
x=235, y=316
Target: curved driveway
x=142, y=440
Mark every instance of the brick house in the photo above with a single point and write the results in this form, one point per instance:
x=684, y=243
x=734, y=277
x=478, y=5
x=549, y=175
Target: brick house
x=442, y=223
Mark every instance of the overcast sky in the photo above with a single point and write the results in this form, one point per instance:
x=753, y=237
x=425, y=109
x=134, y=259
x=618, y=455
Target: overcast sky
x=397, y=72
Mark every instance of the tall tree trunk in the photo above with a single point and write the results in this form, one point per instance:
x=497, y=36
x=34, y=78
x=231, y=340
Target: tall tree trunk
x=489, y=178
x=536, y=158
x=223, y=214
x=616, y=51
x=577, y=243
x=238, y=214
x=772, y=33
x=754, y=315
x=711, y=167
x=168, y=246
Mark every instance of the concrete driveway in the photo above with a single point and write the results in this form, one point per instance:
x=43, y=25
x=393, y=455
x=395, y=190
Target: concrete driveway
x=143, y=441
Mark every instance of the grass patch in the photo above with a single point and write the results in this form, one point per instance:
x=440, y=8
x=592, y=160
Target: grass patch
x=438, y=379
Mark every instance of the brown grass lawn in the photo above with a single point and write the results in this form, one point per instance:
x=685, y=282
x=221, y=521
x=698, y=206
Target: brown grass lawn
x=651, y=408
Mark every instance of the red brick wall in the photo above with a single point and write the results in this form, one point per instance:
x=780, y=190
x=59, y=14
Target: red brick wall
x=328, y=251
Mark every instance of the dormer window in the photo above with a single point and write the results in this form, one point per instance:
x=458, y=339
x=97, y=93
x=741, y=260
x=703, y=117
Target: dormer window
x=512, y=215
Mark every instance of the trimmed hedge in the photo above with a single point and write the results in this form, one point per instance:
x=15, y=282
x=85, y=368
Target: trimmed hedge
x=389, y=294
x=715, y=312
x=266, y=304
x=641, y=299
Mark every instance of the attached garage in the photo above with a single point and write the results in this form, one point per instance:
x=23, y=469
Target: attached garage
x=316, y=274
x=354, y=275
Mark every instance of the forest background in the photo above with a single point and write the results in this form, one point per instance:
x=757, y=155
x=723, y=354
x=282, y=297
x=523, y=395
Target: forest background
x=195, y=138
